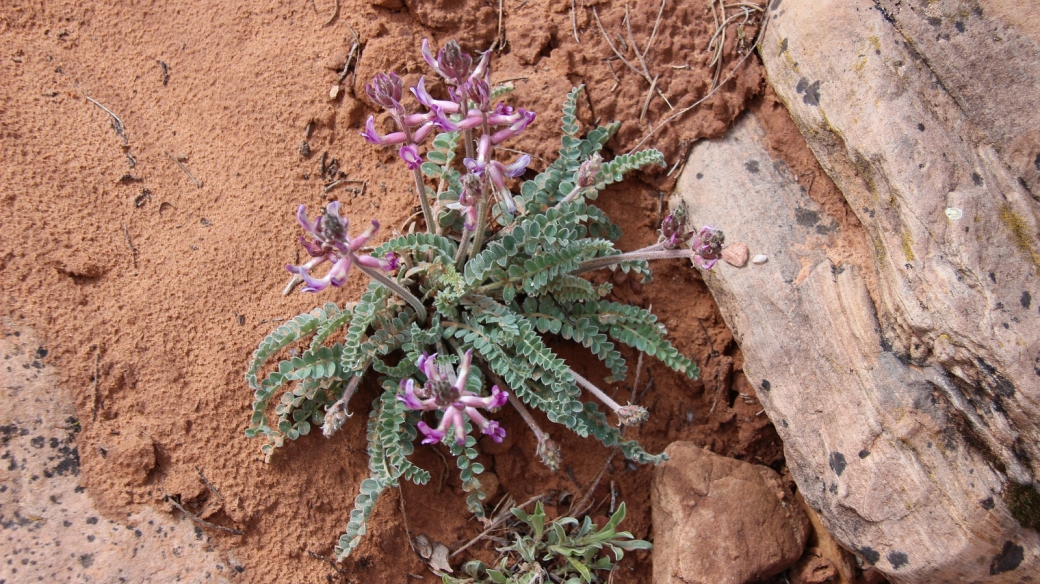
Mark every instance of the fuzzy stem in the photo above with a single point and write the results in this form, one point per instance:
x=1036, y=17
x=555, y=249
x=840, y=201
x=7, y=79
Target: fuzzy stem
x=420, y=186
x=336, y=414
x=570, y=196
x=595, y=391
x=460, y=255
x=398, y=289
x=352, y=387
x=467, y=137
x=528, y=418
x=650, y=253
x=520, y=407
x=478, y=233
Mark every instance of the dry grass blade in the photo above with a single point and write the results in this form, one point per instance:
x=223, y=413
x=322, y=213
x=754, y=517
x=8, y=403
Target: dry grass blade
x=335, y=13
x=599, y=23
x=653, y=33
x=635, y=46
x=198, y=184
x=646, y=102
x=494, y=525
x=645, y=72
x=579, y=509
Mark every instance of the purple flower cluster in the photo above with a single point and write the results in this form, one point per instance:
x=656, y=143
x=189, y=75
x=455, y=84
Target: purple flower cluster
x=705, y=244
x=707, y=247
x=331, y=243
x=469, y=108
x=439, y=393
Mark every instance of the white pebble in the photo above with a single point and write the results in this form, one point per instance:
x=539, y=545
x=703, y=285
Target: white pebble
x=760, y=259
x=954, y=213
x=334, y=92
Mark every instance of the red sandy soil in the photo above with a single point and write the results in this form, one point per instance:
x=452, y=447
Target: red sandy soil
x=151, y=292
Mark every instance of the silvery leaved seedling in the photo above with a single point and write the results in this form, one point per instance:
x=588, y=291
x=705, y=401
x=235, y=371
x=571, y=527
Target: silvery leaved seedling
x=564, y=550
x=452, y=322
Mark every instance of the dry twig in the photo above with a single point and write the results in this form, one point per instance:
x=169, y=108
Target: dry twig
x=208, y=484
x=198, y=184
x=576, y=510
x=117, y=124
x=200, y=520
x=130, y=243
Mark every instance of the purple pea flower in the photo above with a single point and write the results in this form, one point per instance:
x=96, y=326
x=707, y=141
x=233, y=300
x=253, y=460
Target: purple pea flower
x=496, y=171
x=410, y=154
x=332, y=244
x=429, y=122
x=469, y=199
x=424, y=97
x=458, y=404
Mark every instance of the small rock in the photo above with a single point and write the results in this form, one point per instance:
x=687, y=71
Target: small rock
x=813, y=568
x=133, y=454
x=334, y=92
x=336, y=63
x=721, y=521
x=439, y=559
x=736, y=254
x=760, y=259
x=490, y=484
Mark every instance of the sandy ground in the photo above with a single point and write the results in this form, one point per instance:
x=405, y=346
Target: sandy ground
x=148, y=262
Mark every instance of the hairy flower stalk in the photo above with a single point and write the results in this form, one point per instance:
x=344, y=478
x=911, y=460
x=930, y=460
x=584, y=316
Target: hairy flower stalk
x=704, y=251
x=630, y=415
x=473, y=190
x=547, y=450
x=456, y=403
x=336, y=415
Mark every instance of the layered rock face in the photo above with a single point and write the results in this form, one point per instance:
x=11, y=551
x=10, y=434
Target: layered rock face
x=911, y=420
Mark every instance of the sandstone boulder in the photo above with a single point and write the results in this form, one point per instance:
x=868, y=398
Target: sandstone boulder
x=872, y=437
x=721, y=521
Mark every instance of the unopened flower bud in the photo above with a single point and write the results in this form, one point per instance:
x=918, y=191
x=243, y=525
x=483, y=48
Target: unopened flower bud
x=549, y=452
x=707, y=247
x=478, y=91
x=673, y=229
x=454, y=64
x=588, y=170
x=471, y=189
x=632, y=415
x=386, y=90
x=335, y=417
